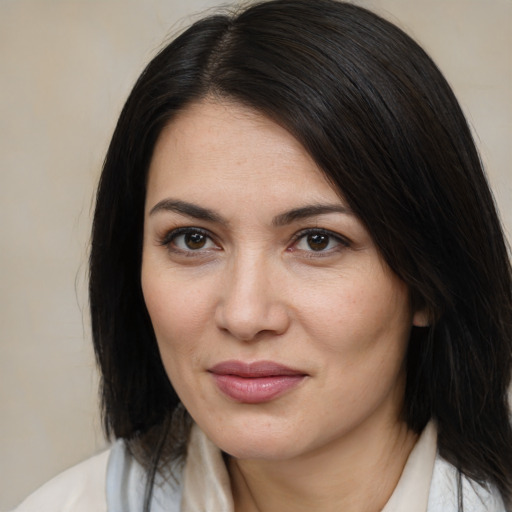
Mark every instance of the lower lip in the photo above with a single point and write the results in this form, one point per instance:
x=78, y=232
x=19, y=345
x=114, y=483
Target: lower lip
x=257, y=389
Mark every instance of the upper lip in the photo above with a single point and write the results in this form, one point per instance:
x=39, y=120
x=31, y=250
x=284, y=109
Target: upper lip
x=254, y=369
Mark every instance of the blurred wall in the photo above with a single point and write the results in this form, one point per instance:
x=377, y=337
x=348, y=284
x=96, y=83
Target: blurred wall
x=66, y=68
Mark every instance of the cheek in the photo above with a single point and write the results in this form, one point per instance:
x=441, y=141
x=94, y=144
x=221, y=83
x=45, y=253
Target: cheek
x=359, y=317
x=361, y=333
x=179, y=315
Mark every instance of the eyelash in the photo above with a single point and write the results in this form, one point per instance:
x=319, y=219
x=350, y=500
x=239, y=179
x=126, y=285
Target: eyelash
x=172, y=235
x=342, y=241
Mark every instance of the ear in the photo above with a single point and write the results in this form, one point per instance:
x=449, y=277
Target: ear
x=421, y=318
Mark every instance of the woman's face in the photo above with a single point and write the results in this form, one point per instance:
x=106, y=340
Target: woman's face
x=279, y=325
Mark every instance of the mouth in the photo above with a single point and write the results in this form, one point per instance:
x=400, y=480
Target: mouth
x=257, y=382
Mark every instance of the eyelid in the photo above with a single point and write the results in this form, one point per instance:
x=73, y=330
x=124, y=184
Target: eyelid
x=172, y=234
x=344, y=241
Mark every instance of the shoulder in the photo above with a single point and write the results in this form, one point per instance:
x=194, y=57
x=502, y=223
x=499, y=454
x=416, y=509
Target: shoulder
x=112, y=480
x=126, y=484
x=79, y=489
x=444, y=491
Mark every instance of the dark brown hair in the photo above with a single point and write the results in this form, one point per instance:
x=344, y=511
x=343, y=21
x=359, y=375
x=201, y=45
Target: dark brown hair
x=382, y=123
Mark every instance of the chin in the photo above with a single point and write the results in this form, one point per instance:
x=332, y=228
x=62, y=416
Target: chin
x=260, y=441
x=264, y=449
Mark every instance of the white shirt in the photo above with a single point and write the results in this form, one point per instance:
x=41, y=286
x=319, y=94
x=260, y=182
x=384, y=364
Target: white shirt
x=113, y=481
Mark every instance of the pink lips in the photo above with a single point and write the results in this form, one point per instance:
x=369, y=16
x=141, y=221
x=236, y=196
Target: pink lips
x=254, y=383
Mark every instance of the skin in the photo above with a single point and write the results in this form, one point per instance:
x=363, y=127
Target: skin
x=248, y=284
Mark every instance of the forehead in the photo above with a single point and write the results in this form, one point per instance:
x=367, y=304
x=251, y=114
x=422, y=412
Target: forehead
x=212, y=146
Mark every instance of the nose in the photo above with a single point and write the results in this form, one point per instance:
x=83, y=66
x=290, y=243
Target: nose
x=251, y=301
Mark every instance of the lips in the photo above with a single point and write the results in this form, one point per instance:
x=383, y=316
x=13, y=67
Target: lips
x=257, y=382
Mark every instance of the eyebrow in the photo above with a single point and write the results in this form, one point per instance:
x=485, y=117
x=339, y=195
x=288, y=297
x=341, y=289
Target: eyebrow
x=309, y=211
x=188, y=209
x=283, y=219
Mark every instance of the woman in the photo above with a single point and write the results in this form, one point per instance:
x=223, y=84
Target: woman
x=300, y=290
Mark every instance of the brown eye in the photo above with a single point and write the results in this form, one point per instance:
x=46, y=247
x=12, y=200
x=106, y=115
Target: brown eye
x=189, y=240
x=318, y=241
x=195, y=240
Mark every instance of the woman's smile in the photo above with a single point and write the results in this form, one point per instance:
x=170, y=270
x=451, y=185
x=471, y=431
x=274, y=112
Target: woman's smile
x=279, y=325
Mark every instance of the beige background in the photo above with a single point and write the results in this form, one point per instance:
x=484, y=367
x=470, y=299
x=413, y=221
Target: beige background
x=66, y=68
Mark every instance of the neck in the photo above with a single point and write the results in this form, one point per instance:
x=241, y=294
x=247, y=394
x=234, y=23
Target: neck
x=355, y=474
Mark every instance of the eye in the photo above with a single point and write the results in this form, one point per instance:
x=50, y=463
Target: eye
x=188, y=240
x=319, y=240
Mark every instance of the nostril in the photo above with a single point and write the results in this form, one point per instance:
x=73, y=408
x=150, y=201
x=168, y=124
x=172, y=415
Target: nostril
x=251, y=323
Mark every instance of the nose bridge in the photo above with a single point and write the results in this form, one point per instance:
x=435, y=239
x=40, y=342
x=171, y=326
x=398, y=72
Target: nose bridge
x=250, y=302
